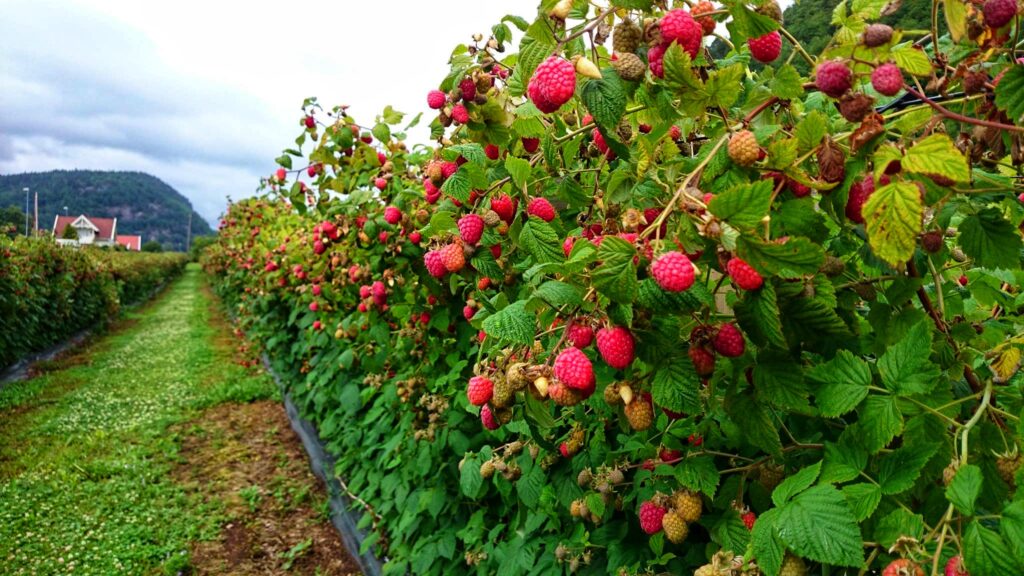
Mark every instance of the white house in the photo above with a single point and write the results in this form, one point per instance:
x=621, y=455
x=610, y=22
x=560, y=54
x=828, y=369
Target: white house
x=91, y=231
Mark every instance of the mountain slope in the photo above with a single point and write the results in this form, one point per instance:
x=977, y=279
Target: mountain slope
x=142, y=204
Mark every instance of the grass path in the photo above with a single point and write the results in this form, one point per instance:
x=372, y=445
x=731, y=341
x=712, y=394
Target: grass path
x=113, y=462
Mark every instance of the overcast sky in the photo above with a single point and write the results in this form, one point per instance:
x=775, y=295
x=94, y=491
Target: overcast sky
x=204, y=95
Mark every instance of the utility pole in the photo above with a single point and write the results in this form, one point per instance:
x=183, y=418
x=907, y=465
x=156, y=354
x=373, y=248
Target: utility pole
x=25, y=189
x=35, y=217
x=188, y=236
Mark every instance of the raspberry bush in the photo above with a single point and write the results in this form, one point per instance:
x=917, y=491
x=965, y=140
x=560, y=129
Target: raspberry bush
x=721, y=318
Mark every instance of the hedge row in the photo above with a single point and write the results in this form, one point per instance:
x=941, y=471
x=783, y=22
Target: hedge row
x=640, y=311
x=48, y=293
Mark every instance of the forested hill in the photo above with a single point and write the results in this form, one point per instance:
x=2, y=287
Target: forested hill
x=142, y=204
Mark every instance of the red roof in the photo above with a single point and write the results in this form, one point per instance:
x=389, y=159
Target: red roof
x=130, y=242
x=105, y=225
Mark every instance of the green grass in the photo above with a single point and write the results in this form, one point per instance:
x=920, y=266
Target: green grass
x=85, y=452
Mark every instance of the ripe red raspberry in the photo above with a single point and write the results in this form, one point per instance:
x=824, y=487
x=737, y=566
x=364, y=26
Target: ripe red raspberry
x=616, y=346
x=766, y=48
x=749, y=518
x=553, y=84
x=364, y=291
x=460, y=114
x=505, y=207
x=729, y=341
x=743, y=275
x=651, y=516
x=309, y=122
x=962, y=280
x=998, y=13
x=453, y=257
x=380, y=183
x=902, y=567
x=678, y=26
x=602, y=146
x=799, y=190
x=656, y=60
x=673, y=271
x=434, y=263
x=573, y=368
x=674, y=132
x=480, y=390
x=887, y=79
x=468, y=312
x=436, y=99
x=447, y=169
x=707, y=23
x=488, y=419
x=530, y=144
x=833, y=78
x=415, y=237
x=318, y=248
x=567, y=245
x=492, y=151
x=468, y=89
x=471, y=228
x=703, y=360
x=541, y=208
x=580, y=335
x=955, y=567
x=281, y=174
x=859, y=194
x=392, y=215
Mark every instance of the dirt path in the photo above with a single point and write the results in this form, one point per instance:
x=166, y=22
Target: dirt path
x=151, y=451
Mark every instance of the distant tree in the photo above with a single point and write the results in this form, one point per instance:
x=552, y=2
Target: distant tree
x=152, y=246
x=198, y=244
x=70, y=233
x=12, y=220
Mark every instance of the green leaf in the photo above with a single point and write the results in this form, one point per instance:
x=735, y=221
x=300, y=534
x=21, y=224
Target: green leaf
x=558, y=293
x=470, y=480
x=537, y=44
x=758, y=315
x=529, y=486
x=605, y=99
x=768, y=546
x=540, y=240
x=787, y=85
x=470, y=151
x=779, y=380
x=863, y=499
x=843, y=383
x=782, y=153
x=676, y=386
x=879, y=422
x=512, y=323
x=679, y=76
x=725, y=85
x=811, y=130
x=964, y=489
x=730, y=532
x=748, y=24
x=392, y=116
x=758, y=425
x=616, y=276
x=937, y=154
x=796, y=484
x=795, y=258
x=900, y=522
x=911, y=60
x=595, y=503
x=459, y=185
x=698, y=473
x=1010, y=93
x=900, y=469
x=986, y=553
x=285, y=161
x=744, y=206
x=905, y=367
x=518, y=169
x=991, y=240
x=804, y=520
x=381, y=132
x=892, y=216
x=1012, y=528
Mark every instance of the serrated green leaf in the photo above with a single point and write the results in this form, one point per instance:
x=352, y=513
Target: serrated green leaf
x=795, y=258
x=381, y=132
x=936, y=154
x=676, y=386
x=729, y=532
x=743, y=207
x=605, y=99
x=470, y=480
x=679, y=75
x=540, y=240
x=880, y=421
x=964, y=488
x=802, y=521
x=470, y=151
x=990, y=239
x=905, y=367
x=844, y=460
x=747, y=23
x=512, y=323
x=843, y=382
x=698, y=473
x=796, y=484
x=911, y=60
x=768, y=546
x=956, y=18
x=1010, y=93
x=725, y=85
x=458, y=185
x=863, y=499
x=558, y=293
x=899, y=470
x=986, y=553
x=811, y=130
x=892, y=216
x=616, y=276
x=758, y=315
x=285, y=161
x=1012, y=528
x=898, y=523
x=595, y=503
x=528, y=126
x=529, y=486
x=758, y=425
x=779, y=380
x=518, y=169
x=782, y=153
x=787, y=84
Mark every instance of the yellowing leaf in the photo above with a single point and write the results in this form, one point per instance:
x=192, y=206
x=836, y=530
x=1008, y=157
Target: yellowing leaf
x=936, y=154
x=911, y=60
x=1007, y=364
x=956, y=18
x=892, y=216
